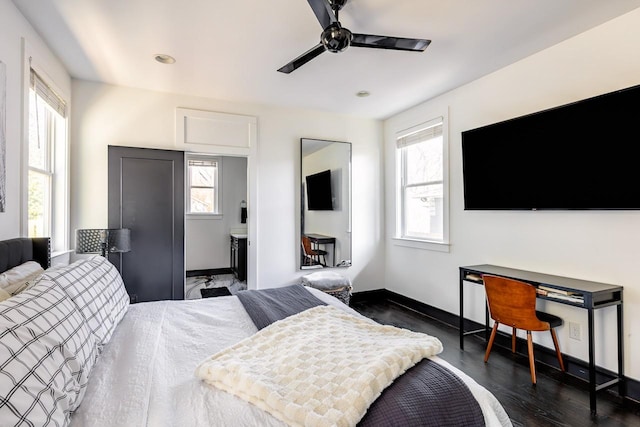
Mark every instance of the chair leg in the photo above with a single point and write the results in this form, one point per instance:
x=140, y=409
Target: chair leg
x=555, y=343
x=532, y=362
x=491, y=339
x=513, y=340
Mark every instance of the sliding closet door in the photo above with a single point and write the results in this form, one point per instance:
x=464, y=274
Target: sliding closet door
x=146, y=195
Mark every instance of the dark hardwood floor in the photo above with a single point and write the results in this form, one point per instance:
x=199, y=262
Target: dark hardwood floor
x=554, y=401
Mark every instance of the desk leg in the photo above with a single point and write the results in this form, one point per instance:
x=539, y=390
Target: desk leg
x=461, y=311
x=622, y=386
x=333, y=261
x=592, y=364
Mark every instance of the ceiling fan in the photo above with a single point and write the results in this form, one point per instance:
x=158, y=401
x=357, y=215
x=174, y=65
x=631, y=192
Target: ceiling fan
x=335, y=38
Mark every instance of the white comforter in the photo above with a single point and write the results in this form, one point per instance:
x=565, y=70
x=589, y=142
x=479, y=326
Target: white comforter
x=145, y=375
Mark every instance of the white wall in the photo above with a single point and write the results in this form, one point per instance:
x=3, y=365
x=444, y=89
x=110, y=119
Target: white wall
x=16, y=32
x=594, y=245
x=109, y=115
x=207, y=239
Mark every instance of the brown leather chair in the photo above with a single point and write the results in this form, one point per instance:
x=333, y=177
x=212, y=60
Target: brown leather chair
x=513, y=303
x=312, y=255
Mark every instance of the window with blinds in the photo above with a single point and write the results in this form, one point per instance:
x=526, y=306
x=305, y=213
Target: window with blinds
x=421, y=165
x=47, y=198
x=203, y=185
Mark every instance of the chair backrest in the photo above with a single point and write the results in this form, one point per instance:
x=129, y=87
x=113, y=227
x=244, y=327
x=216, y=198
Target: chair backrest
x=306, y=245
x=513, y=303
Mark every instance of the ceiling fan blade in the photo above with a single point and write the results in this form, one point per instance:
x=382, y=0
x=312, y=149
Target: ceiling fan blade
x=323, y=12
x=303, y=59
x=384, y=42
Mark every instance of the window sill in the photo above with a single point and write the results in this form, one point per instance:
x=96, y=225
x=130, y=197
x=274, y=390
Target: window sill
x=204, y=216
x=61, y=257
x=56, y=254
x=421, y=244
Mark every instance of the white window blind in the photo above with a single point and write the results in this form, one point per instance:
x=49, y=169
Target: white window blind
x=429, y=130
x=48, y=95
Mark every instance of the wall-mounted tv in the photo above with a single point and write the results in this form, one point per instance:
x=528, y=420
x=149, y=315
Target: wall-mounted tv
x=578, y=156
x=319, y=196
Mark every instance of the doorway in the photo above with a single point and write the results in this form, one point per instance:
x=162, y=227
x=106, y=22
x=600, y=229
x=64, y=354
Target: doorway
x=216, y=228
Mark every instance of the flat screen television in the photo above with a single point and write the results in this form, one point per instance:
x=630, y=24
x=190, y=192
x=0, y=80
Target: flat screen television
x=577, y=156
x=319, y=197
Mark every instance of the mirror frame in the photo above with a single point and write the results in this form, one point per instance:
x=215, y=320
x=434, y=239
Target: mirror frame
x=337, y=245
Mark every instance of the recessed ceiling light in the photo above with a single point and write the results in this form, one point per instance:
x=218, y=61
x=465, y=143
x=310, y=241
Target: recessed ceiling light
x=165, y=59
x=362, y=94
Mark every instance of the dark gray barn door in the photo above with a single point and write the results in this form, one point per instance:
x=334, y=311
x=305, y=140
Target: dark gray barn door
x=146, y=195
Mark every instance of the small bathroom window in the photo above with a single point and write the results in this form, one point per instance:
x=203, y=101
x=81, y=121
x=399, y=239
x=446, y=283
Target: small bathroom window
x=203, y=185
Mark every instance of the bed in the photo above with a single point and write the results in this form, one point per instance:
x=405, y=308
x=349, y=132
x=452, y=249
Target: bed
x=117, y=364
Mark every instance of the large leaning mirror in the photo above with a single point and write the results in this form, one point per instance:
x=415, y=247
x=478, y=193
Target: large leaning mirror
x=325, y=216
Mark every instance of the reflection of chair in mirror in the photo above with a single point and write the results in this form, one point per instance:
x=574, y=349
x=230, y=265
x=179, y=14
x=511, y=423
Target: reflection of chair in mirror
x=513, y=303
x=312, y=256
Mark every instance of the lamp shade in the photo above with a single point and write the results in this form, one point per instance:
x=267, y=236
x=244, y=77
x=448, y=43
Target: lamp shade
x=119, y=240
x=89, y=240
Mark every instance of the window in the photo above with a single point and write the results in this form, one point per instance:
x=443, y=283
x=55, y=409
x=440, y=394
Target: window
x=203, y=185
x=47, y=160
x=422, y=198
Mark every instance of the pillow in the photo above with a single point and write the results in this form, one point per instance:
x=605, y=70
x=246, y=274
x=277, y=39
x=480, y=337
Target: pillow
x=46, y=353
x=97, y=289
x=326, y=280
x=21, y=277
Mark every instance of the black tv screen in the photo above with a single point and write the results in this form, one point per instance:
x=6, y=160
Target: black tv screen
x=319, y=197
x=577, y=156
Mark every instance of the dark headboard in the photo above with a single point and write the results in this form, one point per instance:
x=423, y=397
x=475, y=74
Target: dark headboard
x=17, y=251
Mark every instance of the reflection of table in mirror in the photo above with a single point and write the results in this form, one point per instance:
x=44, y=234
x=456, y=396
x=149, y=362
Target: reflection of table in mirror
x=321, y=239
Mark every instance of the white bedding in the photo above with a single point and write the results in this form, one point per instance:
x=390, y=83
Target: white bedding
x=145, y=375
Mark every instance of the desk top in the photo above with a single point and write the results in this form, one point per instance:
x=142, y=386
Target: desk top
x=595, y=294
x=559, y=282
x=319, y=237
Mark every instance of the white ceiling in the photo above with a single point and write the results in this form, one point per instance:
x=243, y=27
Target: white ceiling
x=231, y=49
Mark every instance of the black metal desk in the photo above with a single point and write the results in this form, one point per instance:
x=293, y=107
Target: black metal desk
x=321, y=239
x=596, y=295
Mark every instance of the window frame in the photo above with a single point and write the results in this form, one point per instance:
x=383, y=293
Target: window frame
x=217, y=187
x=401, y=238
x=57, y=162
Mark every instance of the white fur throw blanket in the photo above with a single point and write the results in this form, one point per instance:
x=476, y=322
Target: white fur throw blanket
x=320, y=367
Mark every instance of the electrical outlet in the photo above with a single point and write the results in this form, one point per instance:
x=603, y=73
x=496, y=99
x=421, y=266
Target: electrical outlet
x=574, y=331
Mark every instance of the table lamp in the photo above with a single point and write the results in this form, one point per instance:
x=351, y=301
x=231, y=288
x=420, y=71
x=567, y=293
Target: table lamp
x=103, y=241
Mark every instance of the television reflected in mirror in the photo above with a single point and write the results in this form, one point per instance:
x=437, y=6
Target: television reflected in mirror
x=325, y=199
x=319, y=194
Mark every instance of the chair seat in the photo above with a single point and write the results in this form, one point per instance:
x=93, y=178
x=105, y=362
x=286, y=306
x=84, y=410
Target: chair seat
x=554, y=321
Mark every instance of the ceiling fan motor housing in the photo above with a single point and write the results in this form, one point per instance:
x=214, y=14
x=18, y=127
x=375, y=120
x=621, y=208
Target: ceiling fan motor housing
x=337, y=4
x=336, y=38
